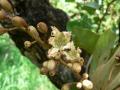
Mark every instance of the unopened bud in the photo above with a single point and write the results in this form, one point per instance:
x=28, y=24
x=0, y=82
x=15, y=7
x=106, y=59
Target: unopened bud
x=87, y=84
x=51, y=65
x=5, y=4
x=79, y=85
x=42, y=27
x=45, y=64
x=19, y=22
x=76, y=67
x=69, y=65
x=27, y=44
x=33, y=32
x=85, y=76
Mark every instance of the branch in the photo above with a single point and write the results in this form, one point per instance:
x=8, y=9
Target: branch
x=101, y=19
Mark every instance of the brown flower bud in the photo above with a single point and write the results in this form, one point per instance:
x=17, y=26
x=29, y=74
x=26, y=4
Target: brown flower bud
x=51, y=65
x=33, y=32
x=42, y=27
x=19, y=22
x=76, y=67
x=5, y=4
x=3, y=30
x=2, y=15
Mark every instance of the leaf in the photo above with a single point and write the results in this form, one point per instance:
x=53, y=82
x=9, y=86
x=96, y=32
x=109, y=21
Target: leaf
x=106, y=76
x=83, y=37
x=70, y=0
x=103, y=49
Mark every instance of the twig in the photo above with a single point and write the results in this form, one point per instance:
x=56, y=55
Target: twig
x=101, y=19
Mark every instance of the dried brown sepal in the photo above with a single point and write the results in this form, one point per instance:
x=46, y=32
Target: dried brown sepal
x=19, y=22
x=5, y=4
x=42, y=27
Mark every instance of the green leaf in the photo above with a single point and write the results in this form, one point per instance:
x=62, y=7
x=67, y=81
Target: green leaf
x=103, y=49
x=83, y=37
x=70, y=0
x=106, y=76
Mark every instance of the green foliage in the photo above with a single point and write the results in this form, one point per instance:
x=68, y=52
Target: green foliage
x=17, y=72
x=107, y=74
x=83, y=37
x=103, y=49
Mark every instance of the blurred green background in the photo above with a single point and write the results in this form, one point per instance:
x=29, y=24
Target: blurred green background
x=17, y=72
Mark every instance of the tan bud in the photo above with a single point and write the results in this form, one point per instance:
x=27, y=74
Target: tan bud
x=33, y=32
x=45, y=64
x=85, y=76
x=19, y=22
x=27, y=44
x=2, y=15
x=87, y=84
x=51, y=65
x=69, y=65
x=79, y=85
x=5, y=4
x=76, y=67
x=42, y=27
x=3, y=30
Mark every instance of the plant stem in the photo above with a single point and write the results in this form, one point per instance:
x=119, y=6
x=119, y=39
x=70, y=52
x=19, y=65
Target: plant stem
x=101, y=19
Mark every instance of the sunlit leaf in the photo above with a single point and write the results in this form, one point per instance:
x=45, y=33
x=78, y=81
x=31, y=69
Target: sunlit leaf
x=83, y=37
x=103, y=49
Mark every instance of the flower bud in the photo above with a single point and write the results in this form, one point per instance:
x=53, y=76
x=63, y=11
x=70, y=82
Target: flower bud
x=33, y=32
x=2, y=15
x=69, y=65
x=27, y=44
x=87, y=84
x=42, y=27
x=85, y=76
x=51, y=65
x=76, y=67
x=79, y=85
x=45, y=64
x=19, y=22
x=5, y=4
